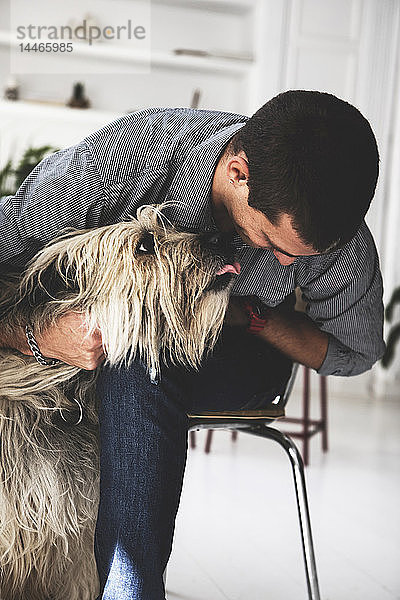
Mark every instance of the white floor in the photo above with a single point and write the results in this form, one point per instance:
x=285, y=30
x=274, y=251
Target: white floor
x=237, y=535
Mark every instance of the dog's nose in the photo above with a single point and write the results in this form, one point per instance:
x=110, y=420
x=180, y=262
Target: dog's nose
x=219, y=243
x=214, y=238
x=217, y=239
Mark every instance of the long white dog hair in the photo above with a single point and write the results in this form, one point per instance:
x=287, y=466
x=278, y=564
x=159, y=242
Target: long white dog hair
x=154, y=292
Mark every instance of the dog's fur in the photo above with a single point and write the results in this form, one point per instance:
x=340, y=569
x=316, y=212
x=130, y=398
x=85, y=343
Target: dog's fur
x=154, y=292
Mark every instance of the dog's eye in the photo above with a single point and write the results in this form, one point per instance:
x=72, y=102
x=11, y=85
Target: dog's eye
x=146, y=244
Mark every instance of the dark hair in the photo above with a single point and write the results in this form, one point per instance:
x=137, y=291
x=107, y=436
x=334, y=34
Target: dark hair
x=315, y=157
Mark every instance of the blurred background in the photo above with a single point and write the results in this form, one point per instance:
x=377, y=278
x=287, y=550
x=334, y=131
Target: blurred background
x=233, y=55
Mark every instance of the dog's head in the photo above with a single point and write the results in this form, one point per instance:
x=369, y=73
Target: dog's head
x=150, y=288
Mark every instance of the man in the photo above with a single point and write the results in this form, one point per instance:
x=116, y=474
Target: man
x=293, y=185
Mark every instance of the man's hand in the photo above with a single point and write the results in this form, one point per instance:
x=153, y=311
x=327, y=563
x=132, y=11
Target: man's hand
x=291, y=332
x=67, y=341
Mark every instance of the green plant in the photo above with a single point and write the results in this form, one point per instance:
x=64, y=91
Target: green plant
x=394, y=333
x=11, y=178
x=6, y=176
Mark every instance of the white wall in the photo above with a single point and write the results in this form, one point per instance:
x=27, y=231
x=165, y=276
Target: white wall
x=351, y=48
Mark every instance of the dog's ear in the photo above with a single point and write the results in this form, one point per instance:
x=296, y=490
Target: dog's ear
x=146, y=244
x=50, y=284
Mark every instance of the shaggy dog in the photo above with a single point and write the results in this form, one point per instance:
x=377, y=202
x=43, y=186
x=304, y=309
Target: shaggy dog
x=154, y=292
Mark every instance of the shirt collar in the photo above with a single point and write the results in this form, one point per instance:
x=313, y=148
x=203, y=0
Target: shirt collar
x=191, y=186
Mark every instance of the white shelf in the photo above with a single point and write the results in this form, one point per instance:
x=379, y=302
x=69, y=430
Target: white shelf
x=49, y=111
x=238, y=7
x=25, y=124
x=119, y=53
x=210, y=64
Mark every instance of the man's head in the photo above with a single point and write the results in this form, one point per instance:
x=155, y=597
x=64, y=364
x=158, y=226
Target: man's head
x=312, y=167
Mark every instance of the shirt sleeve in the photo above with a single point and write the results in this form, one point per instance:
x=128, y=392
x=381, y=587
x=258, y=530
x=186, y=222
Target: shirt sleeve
x=346, y=302
x=64, y=190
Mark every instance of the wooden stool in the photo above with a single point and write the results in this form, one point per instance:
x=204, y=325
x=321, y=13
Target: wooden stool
x=310, y=427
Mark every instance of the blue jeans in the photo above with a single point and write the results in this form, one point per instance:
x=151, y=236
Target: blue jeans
x=143, y=434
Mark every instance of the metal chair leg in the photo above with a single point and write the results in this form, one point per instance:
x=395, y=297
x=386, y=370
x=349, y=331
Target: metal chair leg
x=302, y=503
x=192, y=437
x=207, y=447
x=324, y=411
x=306, y=415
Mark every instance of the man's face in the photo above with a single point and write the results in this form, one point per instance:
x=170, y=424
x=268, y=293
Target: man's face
x=257, y=231
x=230, y=204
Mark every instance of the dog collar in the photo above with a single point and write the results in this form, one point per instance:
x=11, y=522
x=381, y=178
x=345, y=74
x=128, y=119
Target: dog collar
x=257, y=318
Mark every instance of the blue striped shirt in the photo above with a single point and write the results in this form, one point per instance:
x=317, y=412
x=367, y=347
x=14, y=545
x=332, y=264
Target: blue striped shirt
x=161, y=155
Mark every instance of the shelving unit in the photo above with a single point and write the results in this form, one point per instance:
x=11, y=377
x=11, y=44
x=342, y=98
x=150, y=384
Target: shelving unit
x=235, y=27
x=118, y=53
x=238, y=28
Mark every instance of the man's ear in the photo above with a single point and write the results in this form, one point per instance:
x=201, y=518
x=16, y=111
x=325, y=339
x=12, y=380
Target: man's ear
x=238, y=169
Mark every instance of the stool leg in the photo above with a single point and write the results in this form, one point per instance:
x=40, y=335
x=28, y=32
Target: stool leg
x=306, y=415
x=207, y=447
x=302, y=502
x=324, y=412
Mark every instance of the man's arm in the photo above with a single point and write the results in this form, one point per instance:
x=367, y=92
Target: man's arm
x=342, y=332
x=66, y=340
x=346, y=303
x=291, y=332
x=64, y=190
x=295, y=335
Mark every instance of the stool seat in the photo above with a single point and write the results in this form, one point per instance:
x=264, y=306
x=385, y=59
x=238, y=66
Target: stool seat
x=236, y=417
